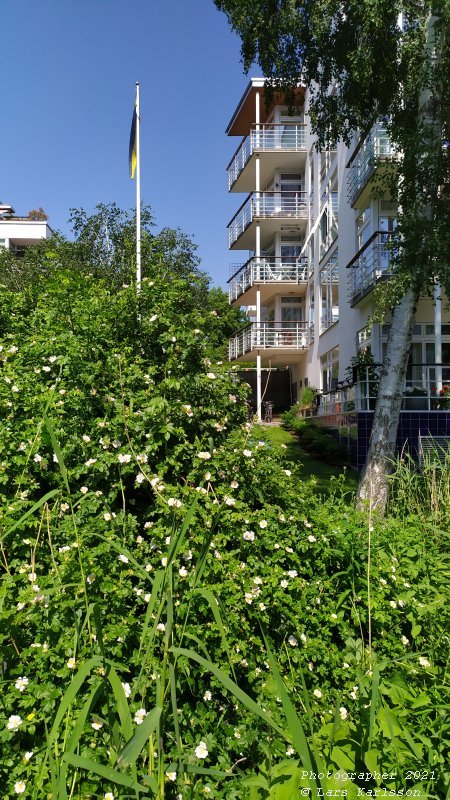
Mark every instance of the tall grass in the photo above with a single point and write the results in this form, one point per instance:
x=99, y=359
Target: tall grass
x=422, y=489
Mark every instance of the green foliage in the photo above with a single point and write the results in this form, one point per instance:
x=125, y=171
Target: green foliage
x=319, y=442
x=150, y=536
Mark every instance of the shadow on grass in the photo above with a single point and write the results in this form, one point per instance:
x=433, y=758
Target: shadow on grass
x=310, y=468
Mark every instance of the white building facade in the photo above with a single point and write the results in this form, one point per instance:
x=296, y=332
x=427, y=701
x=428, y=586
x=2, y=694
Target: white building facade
x=18, y=233
x=318, y=242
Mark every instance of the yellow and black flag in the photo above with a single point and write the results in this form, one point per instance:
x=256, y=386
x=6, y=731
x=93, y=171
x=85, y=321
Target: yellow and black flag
x=132, y=153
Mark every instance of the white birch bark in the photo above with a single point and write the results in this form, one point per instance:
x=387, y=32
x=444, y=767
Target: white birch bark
x=374, y=484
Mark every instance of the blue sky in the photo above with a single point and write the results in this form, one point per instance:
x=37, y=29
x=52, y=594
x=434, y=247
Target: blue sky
x=69, y=72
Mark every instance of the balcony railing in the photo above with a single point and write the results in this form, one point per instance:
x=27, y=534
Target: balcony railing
x=427, y=388
x=285, y=137
x=376, y=147
x=267, y=270
x=370, y=263
x=267, y=205
x=269, y=336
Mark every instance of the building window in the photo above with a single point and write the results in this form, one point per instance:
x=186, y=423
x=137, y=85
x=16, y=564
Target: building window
x=329, y=369
x=329, y=290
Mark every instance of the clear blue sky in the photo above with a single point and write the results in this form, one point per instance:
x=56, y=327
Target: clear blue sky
x=69, y=72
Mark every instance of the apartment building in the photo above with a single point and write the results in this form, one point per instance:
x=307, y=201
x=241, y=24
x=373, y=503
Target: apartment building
x=317, y=241
x=18, y=233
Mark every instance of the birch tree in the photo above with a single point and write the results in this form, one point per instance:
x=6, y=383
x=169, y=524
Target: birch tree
x=388, y=59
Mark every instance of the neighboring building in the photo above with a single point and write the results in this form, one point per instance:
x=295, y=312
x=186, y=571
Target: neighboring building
x=318, y=242
x=18, y=233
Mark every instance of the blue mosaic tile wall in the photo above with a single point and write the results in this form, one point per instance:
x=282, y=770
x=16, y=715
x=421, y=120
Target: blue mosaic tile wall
x=412, y=423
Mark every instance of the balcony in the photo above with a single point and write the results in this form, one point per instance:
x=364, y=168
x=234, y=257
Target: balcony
x=371, y=262
x=329, y=318
x=270, y=209
x=264, y=274
x=373, y=154
x=269, y=338
x=426, y=388
x=281, y=142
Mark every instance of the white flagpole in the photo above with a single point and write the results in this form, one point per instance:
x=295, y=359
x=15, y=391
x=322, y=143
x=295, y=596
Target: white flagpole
x=138, y=193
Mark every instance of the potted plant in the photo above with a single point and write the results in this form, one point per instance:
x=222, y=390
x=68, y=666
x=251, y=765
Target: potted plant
x=307, y=400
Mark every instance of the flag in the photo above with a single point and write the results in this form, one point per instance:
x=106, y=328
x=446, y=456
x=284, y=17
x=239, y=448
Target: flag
x=132, y=153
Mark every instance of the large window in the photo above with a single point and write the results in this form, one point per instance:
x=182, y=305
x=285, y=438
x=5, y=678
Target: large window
x=329, y=368
x=329, y=290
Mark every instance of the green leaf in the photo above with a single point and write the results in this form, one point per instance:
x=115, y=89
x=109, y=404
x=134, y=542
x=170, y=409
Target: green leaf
x=134, y=747
x=31, y=510
x=105, y=772
x=232, y=687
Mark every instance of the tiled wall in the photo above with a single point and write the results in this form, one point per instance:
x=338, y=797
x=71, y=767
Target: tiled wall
x=412, y=423
x=354, y=430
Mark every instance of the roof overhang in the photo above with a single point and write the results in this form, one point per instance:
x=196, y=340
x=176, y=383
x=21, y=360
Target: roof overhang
x=244, y=115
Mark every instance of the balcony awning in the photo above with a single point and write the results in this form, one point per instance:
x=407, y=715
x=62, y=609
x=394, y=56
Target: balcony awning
x=244, y=115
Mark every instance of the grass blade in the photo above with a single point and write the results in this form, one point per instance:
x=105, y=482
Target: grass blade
x=31, y=510
x=134, y=747
x=109, y=773
x=232, y=687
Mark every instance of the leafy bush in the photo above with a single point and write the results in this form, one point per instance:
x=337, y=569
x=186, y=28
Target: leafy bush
x=149, y=539
x=319, y=442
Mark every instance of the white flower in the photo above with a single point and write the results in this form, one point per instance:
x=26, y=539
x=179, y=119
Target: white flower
x=201, y=750
x=37, y=458
x=204, y=455
x=127, y=689
x=311, y=538
x=108, y=796
x=183, y=572
x=21, y=684
x=89, y=462
x=237, y=734
x=229, y=501
x=160, y=626
x=188, y=410
x=28, y=756
x=303, y=638
x=107, y=516
x=247, y=453
x=346, y=665
x=292, y=641
x=207, y=696
x=211, y=376
x=97, y=724
x=84, y=490
x=173, y=501
x=249, y=536
x=148, y=567
x=13, y=349
x=248, y=598
x=124, y=458
x=164, y=561
x=139, y=716
x=405, y=641
x=424, y=662
x=123, y=559
x=284, y=583
x=153, y=317
x=292, y=573
x=263, y=523
x=86, y=438
x=14, y=722
x=45, y=369
x=290, y=751
x=343, y=713
x=71, y=664
x=172, y=776
x=392, y=604
x=140, y=477
x=287, y=472
x=317, y=693
x=19, y=787
x=15, y=389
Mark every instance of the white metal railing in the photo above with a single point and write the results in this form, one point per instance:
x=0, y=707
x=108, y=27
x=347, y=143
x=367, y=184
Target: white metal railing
x=269, y=336
x=426, y=388
x=267, y=270
x=289, y=137
x=267, y=205
x=375, y=147
x=371, y=262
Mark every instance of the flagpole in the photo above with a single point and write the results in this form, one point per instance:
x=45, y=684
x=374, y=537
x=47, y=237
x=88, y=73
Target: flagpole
x=138, y=193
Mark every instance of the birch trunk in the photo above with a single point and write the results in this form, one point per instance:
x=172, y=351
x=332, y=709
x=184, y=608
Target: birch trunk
x=374, y=484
